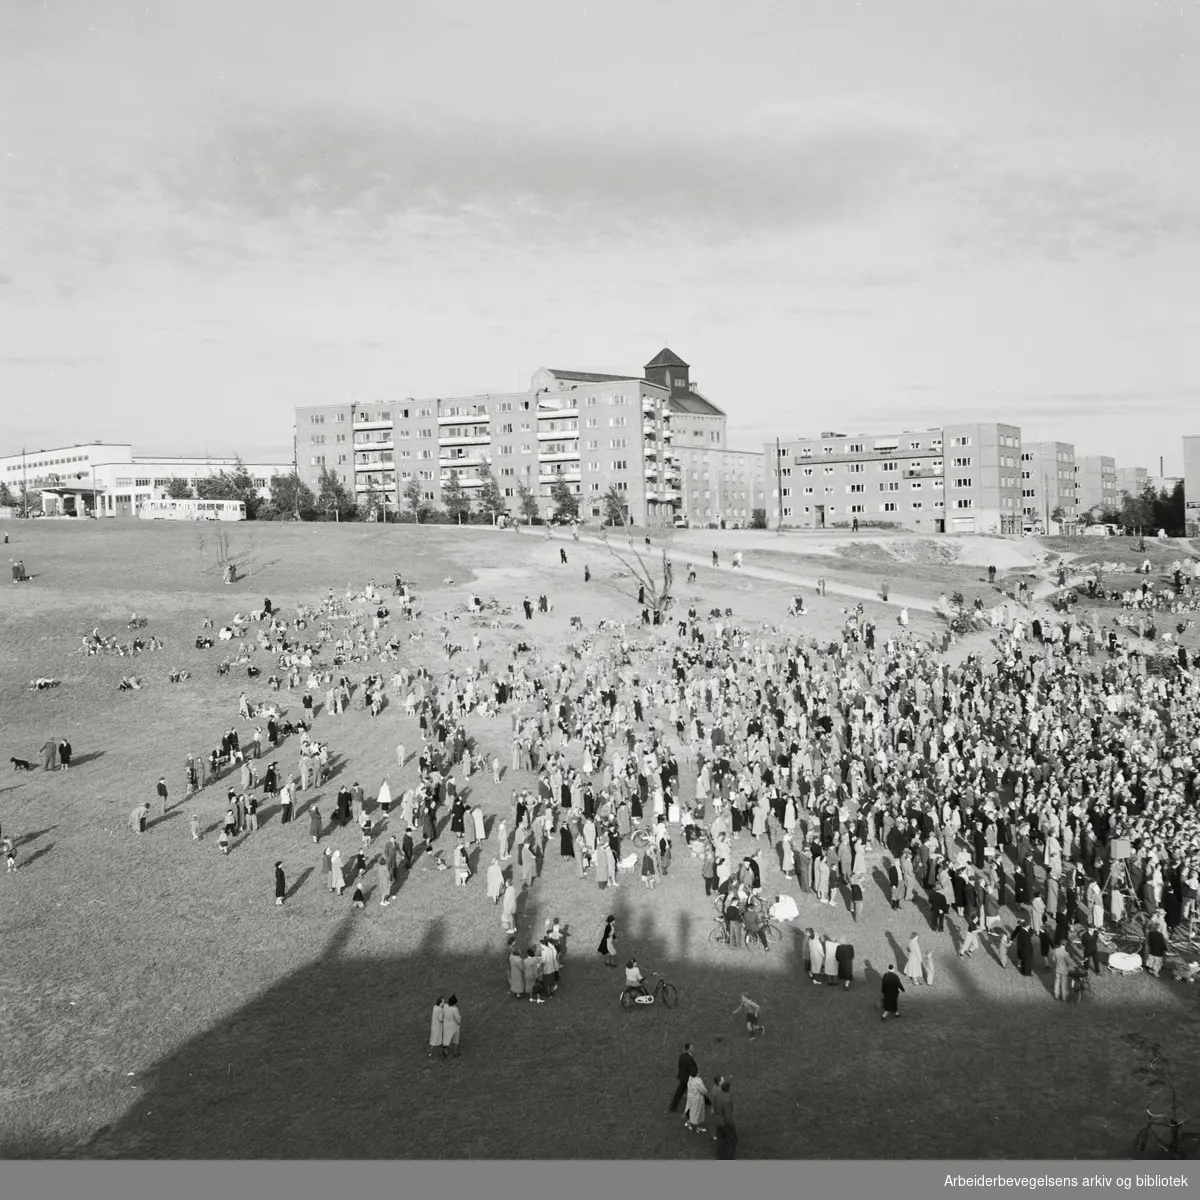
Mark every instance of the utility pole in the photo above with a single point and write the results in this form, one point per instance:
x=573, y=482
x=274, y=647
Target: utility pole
x=779, y=483
x=1046, y=502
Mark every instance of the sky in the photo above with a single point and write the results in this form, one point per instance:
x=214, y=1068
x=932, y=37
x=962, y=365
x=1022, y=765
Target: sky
x=856, y=216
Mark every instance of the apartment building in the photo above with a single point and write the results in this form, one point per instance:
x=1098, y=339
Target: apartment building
x=1132, y=480
x=720, y=484
x=957, y=479
x=1191, y=484
x=654, y=437
x=1048, y=485
x=1096, y=475
x=108, y=479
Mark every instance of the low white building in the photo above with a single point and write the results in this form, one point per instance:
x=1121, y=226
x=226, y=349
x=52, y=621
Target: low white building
x=109, y=480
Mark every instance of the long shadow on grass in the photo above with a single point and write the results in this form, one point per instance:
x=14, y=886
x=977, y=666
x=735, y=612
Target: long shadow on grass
x=38, y=854
x=347, y=1031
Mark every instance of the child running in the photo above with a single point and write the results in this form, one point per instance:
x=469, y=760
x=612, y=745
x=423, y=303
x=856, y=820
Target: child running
x=754, y=1027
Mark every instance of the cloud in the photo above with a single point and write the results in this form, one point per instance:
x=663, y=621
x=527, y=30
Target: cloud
x=342, y=167
x=1065, y=214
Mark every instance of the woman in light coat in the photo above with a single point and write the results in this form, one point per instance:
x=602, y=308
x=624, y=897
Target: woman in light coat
x=697, y=1100
x=914, y=966
x=337, y=880
x=816, y=955
x=495, y=881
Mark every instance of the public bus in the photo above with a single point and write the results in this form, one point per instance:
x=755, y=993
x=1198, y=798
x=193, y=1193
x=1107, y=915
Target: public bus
x=192, y=510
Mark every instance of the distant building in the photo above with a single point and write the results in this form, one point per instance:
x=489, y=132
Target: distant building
x=1132, y=480
x=957, y=479
x=1048, y=484
x=1096, y=475
x=110, y=480
x=1191, y=483
x=600, y=431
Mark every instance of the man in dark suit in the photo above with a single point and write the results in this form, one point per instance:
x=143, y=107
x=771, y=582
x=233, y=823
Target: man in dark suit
x=891, y=988
x=1024, y=942
x=687, y=1064
x=1091, y=949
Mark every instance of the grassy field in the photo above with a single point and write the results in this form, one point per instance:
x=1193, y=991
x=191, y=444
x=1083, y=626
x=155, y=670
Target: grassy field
x=156, y=1003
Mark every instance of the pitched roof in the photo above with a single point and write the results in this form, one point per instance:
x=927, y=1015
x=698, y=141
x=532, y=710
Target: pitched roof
x=696, y=404
x=588, y=376
x=665, y=358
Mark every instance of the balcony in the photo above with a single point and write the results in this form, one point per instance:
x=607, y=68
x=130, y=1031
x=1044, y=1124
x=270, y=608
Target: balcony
x=571, y=476
x=375, y=442
x=457, y=464
x=478, y=418
x=558, y=435
x=564, y=457
x=467, y=439
x=360, y=423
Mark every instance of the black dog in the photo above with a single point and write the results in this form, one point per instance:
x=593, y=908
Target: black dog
x=19, y=764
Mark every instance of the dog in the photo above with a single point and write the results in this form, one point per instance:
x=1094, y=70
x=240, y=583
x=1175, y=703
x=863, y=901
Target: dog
x=19, y=764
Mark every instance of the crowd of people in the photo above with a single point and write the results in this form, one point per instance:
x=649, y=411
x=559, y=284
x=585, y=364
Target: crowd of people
x=1036, y=792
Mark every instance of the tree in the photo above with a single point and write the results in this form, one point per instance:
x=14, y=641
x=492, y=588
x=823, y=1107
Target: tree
x=616, y=511
x=179, y=489
x=231, y=485
x=641, y=572
x=1059, y=514
x=491, y=502
x=290, y=497
x=1167, y=509
x=527, y=503
x=415, y=501
x=371, y=502
x=455, y=500
x=758, y=519
x=7, y=499
x=566, y=503
x=332, y=497
x=1137, y=512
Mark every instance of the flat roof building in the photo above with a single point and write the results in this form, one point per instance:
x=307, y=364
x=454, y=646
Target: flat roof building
x=109, y=480
x=598, y=430
x=956, y=479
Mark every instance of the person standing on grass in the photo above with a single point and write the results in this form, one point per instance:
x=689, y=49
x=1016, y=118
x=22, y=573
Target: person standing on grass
x=697, y=1101
x=495, y=882
x=137, y=818
x=1062, y=970
x=971, y=941
x=913, y=964
x=891, y=987
x=162, y=796
x=687, y=1064
x=508, y=910
x=383, y=881
x=280, y=883
x=726, y=1135
x=608, y=941
x=195, y=823
x=516, y=970
x=451, y=1027
x=314, y=824
x=437, y=1022
x=1024, y=949
x=337, y=880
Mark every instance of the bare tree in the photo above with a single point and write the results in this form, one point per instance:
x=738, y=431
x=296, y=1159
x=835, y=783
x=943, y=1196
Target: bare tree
x=217, y=542
x=643, y=569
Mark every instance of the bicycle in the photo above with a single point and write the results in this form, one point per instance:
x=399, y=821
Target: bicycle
x=1079, y=985
x=642, y=837
x=668, y=993
x=1179, y=1143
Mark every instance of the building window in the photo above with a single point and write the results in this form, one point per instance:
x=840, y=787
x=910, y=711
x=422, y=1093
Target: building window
x=889, y=466
x=855, y=469
x=962, y=482
x=964, y=502
x=889, y=506
x=854, y=447
x=855, y=487
x=961, y=462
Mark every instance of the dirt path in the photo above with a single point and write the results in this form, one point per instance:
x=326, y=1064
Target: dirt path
x=790, y=578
